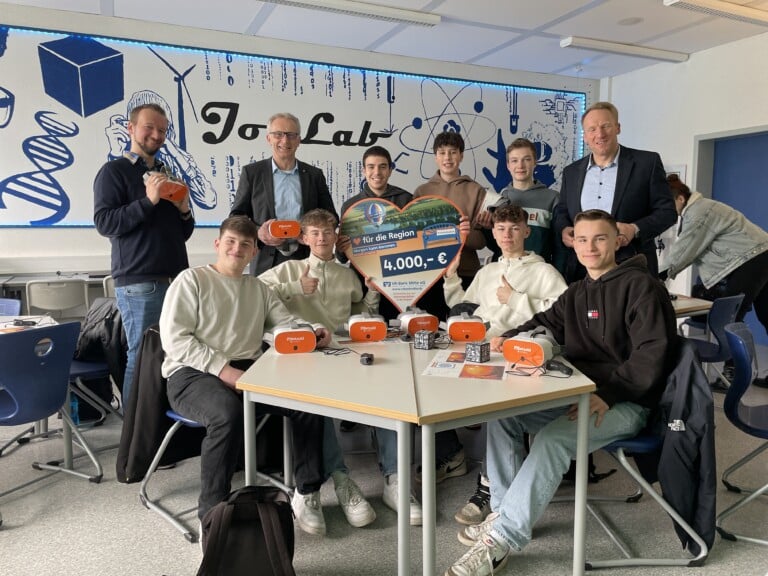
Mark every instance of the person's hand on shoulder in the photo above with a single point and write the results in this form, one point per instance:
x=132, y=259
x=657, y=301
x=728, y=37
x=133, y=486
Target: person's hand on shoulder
x=485, y=219
x=567, y=236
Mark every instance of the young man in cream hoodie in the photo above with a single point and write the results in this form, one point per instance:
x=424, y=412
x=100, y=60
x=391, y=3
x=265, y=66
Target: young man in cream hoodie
x=322, y=290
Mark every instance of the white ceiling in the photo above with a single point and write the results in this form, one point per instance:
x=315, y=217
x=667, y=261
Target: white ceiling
x=513, y=34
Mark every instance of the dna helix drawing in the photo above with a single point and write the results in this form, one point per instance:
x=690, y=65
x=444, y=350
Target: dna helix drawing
x=49, y=154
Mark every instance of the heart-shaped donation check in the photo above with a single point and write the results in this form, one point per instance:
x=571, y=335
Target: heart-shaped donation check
x=403, y=250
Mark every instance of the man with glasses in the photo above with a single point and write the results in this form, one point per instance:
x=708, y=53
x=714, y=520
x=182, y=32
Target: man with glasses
x=280, y=188
x=628, y=184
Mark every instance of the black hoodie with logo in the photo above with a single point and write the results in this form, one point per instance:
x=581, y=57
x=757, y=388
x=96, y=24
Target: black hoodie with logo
x=619, y=330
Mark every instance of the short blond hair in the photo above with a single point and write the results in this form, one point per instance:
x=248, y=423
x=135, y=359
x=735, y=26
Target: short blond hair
x=602, y=106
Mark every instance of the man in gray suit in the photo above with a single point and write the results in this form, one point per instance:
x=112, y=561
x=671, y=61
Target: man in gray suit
x=280, y=188
x=628, y=184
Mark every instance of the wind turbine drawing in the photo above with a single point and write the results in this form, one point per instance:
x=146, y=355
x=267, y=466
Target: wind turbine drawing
x=180, y=79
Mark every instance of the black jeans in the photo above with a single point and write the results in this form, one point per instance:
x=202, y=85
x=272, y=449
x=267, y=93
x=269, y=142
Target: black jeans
x=206, y=399
x=751, y=279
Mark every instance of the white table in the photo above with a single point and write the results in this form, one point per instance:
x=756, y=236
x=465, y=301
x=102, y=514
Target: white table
x=392, y=393
x=689, y=306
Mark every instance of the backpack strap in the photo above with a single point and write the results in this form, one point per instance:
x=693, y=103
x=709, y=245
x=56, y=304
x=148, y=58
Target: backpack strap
x=273, y=536
x=217, y=536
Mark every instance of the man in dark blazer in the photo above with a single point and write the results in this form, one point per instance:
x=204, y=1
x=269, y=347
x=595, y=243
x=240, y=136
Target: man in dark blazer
x=280, y=188
x=629, y=184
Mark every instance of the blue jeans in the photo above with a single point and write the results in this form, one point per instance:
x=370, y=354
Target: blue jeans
x=333, y=458
x=140, y=305
x=386, y=448
x=522, y=488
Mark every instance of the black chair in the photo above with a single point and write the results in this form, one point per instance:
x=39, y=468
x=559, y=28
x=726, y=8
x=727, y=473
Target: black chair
x=747, y=408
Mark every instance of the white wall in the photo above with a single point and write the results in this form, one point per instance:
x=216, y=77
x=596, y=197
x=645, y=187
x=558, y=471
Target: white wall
x=82, y=249
x=664, y=107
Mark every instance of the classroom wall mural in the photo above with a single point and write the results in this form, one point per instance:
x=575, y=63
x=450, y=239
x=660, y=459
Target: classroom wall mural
x=65, y=99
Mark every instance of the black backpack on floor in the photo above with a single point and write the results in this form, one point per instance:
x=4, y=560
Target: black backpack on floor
x=252, y=530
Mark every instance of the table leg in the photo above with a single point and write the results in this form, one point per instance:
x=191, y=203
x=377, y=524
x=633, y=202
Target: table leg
x=249, y=422
x=404, y=432
x=428, y=499
x=580, y=501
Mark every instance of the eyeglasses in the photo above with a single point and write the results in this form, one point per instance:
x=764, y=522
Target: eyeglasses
x=288, y=135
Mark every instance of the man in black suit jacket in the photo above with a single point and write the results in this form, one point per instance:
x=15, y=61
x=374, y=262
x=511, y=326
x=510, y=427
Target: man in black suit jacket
x=280, y=188
x=641, y=201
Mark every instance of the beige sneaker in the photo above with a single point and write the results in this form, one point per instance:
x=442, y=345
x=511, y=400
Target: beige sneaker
x=478, y=506
x=356, y=508
x=390, y=499
x=309, y=512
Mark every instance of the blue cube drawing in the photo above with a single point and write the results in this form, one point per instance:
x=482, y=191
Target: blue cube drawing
x=82, y=74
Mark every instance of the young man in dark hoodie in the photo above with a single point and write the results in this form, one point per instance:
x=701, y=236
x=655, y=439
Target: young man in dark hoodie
x=618, y=327
x=377, y=168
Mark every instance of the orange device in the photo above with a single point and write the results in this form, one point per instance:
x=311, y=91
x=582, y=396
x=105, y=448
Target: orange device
x=530, y=349
x=295, y=339
x=412, y=321
x=466, y=328
x=171, y=189
x=367, y=328
x=285, y=229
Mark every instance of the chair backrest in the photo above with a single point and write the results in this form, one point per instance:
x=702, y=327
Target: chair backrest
x=108, y=285
x=10, y=307
x=67, y=294
x=34, y=372
x=752, y=418
x=722, y=313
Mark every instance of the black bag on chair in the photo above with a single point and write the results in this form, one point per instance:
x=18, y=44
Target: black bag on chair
x=249, y=532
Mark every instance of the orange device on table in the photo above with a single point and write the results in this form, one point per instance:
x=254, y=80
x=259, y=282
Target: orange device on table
x=367, y=328
x=466, y=328
x=295, y=339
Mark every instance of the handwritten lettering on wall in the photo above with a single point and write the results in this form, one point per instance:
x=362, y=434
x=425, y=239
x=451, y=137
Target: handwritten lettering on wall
x=65, y=99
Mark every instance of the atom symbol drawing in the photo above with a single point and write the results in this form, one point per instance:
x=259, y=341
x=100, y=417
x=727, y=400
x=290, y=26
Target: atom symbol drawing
x=460, y=113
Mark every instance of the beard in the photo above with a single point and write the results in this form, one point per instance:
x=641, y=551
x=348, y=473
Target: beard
x=149, y=150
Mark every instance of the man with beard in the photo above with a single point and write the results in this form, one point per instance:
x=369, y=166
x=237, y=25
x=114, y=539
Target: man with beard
x=147, y=233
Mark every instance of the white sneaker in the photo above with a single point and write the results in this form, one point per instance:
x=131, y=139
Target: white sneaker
x=390, y=499
x=471, y=535
x=356, y=508
x=485, y=558
x=308, y=512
